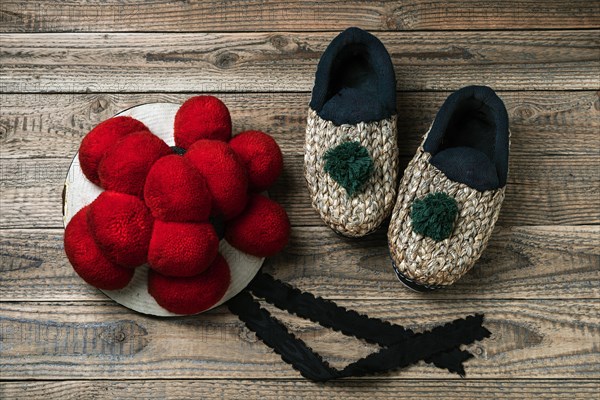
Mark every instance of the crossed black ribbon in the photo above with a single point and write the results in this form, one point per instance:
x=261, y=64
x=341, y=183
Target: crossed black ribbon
x=401, y=347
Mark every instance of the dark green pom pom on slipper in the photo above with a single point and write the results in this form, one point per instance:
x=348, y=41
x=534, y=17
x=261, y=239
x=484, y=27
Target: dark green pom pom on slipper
x=350, y=165
x=434, y=216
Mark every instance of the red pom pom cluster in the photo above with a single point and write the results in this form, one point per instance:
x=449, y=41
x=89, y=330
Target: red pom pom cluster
x=157, y=205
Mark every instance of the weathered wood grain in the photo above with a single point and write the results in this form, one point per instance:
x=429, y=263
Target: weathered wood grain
x=538, y=285
x=553, y=262
x=239, y=15
x=555, y=165
x=274, y=62
x=376, y=389
x=532, y=339
x=542, y=189
x=39, y=125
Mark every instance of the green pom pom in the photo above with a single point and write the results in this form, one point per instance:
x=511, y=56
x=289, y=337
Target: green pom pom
x=434, y=216
x=350, y=165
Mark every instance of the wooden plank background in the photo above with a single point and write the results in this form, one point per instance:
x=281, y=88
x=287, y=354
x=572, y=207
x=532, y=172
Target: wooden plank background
x=67, y=65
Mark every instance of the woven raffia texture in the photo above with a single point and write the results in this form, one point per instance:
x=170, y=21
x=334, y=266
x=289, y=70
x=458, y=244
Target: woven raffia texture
x=420, y=258
x=364, y=211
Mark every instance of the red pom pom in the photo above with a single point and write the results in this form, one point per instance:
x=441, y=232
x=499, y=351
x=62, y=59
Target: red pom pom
x=100, y=139
x=261, y=156
x=87, y=259
x=262, y=230
x=125, y=166
x=122, y=226
x=191, y=295
x=224, y=174
x=202, y=117
x=176, y=191
x=182, y=249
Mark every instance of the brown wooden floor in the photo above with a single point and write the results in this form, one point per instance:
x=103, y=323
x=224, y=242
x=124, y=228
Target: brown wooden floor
x=67, y=65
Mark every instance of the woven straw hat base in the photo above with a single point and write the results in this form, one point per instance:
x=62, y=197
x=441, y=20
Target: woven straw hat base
x=423, y=261
x=362, y=213
x=79, y=192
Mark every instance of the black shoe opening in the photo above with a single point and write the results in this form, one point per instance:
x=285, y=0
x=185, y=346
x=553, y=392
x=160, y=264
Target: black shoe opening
x=469, y=138
x=355, y=80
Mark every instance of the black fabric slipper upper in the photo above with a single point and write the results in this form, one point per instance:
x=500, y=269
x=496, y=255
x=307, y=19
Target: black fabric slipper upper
x=469, y=138
x=355, y=80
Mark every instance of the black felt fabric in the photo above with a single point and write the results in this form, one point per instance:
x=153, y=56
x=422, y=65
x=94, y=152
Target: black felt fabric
x=355, y=80
x=275, y=335
x=469, y=139
x=467, y=165
x=178, y=150
x=402, y=347
x=349, y=322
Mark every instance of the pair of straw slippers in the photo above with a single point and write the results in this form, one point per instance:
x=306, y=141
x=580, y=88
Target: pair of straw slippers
x=448, y=200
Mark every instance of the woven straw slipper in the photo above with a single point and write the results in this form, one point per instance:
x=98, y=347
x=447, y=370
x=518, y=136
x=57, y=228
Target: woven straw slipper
x=351, y=152
x=450, y=196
